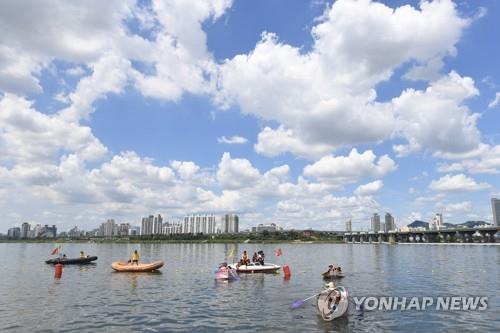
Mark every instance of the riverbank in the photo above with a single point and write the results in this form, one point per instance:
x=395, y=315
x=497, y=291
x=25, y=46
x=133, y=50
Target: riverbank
x=176, y=241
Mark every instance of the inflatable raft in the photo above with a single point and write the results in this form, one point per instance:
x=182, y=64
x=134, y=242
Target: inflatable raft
x=71, y=261
x=121, y=266
x=333, y=275
x=332, y=303
x=226, y=273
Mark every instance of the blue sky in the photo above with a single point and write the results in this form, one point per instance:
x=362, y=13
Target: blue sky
x=303, y=113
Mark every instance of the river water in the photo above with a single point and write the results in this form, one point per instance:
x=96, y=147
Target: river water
x=185, y=296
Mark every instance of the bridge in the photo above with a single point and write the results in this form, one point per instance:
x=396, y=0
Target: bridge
x=455, y=235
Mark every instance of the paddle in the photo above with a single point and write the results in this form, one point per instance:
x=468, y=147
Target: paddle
x=298, y=303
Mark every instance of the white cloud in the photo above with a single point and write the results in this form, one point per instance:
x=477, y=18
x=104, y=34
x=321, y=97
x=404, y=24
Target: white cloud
x=109, y=75
x=325, y=98
x=351, y=168
x=452, y=167
x=232, y=140
x=179, y=58
x=31, y=137
x=437, y=118
x=459, y=207
x=70, y=31
x=275, y=142
x=369, y=189
x=236, y=174
x=75, y=71
x=454, y=183
x=494, y=103
x=484, y=159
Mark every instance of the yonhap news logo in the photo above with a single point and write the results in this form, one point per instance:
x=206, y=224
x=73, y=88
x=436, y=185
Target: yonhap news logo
x=440, y=303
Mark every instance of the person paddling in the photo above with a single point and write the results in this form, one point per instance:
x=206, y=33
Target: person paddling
x=135, y=258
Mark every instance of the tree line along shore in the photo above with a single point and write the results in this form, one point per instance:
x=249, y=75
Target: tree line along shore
x=264, y=237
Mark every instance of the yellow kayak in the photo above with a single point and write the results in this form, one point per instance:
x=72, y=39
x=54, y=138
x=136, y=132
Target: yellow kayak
x=121, y=266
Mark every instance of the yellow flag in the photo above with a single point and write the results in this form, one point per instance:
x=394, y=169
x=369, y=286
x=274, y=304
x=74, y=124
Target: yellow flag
x=232, y=254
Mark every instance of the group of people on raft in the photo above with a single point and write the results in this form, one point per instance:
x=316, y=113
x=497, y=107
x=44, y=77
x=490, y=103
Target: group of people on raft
x=257, y=258
x=333, y=269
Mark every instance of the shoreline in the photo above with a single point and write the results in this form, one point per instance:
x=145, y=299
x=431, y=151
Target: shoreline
x=219, y=241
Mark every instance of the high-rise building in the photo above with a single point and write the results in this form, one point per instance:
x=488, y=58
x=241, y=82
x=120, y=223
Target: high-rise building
x=195, y=224
x=25, y=230
x=375, y=223
x=123, y=229
x=230, y=223
x=172, y=228
x=157, y=223
x=389, y=222
x=151, y=225
x=110, y=228
x=14, y=233
x=437, y=222
x=495, y=206
x=75, y=232
x=348, y=226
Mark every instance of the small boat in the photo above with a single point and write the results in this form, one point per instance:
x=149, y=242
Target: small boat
x=256, y=268
x=333, y=275
x=121, y=266
x=72, y=261
x=225, y=272
x=332, y=303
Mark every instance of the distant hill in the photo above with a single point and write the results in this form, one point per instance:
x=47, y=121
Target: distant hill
x=472, y=224
x=468, y=224
x=418, y=224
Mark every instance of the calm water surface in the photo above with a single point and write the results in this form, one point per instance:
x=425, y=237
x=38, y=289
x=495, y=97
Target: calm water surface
x=185, y=296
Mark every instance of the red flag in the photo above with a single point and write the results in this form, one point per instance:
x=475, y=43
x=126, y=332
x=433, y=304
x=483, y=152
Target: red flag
x=278, y=252
x=55, y=251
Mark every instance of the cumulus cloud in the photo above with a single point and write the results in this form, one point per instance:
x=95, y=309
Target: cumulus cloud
x=454, y=183
x=351, y=168
x=369, y=189
x=31, y=137
x=325, y=98
x=232, y=140
x=484, y=159
x=275, y=142
x=437, y=118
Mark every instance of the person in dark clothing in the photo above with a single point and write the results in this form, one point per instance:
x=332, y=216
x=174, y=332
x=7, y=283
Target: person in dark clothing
x=261, y=257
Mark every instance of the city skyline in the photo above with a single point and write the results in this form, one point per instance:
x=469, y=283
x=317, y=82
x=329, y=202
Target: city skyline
x=282, y=113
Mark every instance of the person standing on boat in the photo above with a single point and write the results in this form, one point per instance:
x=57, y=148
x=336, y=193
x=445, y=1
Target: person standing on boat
x=135, y=258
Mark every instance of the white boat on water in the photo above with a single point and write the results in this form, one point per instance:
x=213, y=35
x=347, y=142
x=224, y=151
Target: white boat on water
x=256, y=268
x=332, y=303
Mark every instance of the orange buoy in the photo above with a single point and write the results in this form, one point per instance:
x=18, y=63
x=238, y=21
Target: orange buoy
x=58, y=271
x=286, y=270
